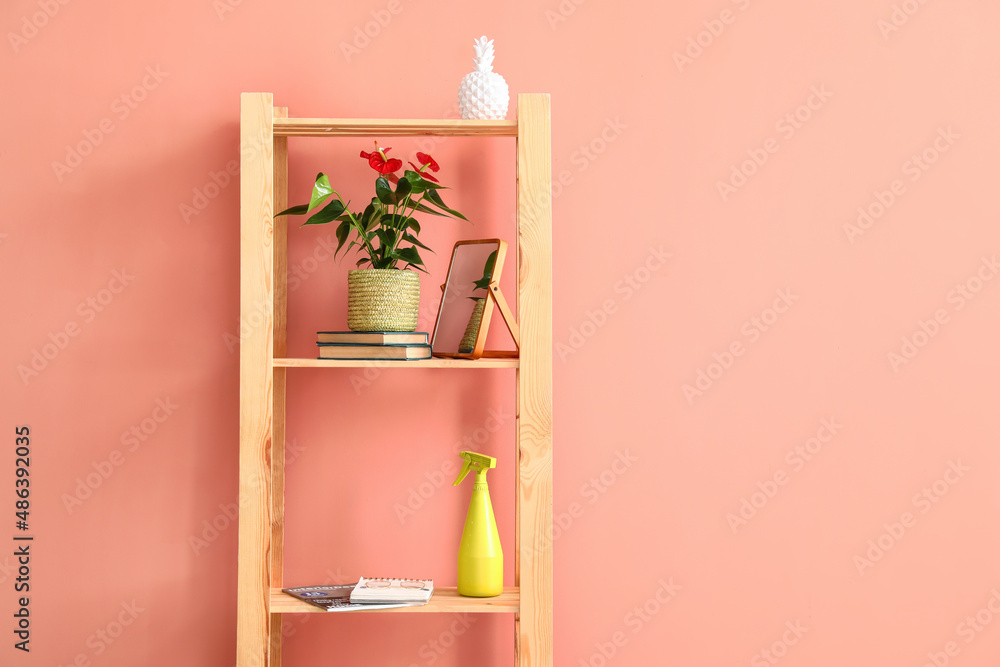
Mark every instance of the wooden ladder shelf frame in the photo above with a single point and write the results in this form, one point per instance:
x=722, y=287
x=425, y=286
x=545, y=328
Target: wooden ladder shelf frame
x=263, y=366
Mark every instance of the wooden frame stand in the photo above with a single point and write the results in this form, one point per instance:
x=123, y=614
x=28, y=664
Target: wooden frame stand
x=264, y=365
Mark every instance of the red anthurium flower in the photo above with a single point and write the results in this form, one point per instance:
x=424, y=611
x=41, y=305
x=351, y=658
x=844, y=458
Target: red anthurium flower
x=422, y=173
x=428, y=161
x=380, y=163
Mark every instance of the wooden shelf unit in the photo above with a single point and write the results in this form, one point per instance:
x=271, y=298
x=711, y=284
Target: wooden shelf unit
x=263, y=372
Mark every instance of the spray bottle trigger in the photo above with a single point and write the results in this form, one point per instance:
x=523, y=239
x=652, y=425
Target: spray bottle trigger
x=466, y=467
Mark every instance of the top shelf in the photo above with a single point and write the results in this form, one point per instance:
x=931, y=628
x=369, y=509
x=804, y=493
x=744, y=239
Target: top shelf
x=384, y=127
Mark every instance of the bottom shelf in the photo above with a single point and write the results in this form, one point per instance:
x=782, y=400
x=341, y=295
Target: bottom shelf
x=444, y=600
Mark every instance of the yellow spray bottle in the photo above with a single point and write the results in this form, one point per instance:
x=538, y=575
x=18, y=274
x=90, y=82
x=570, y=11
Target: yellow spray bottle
x=480, y=558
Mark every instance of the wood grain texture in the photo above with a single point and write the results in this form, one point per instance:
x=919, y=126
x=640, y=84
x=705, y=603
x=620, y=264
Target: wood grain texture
x=416, y=363
x=384, y=127
x=256, y=390
x=280, y=276
x=444, y=600
x=533, y=570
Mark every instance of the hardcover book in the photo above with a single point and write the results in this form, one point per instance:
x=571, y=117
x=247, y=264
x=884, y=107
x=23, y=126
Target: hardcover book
x=373, y=337
x=375, y=352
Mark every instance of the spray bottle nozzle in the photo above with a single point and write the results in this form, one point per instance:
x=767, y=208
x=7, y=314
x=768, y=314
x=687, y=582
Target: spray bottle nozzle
x=480, y=462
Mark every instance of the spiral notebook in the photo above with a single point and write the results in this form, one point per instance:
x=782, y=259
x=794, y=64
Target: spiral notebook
x=392, y=591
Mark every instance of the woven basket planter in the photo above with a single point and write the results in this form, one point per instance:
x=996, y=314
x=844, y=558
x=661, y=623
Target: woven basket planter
x=382, y=300
x=468, y=342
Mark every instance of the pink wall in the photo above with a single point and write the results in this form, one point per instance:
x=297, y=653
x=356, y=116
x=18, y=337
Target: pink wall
x=755, y=393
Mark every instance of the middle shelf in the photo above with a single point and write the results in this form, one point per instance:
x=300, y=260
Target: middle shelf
x=444, y=600
x=285, y=362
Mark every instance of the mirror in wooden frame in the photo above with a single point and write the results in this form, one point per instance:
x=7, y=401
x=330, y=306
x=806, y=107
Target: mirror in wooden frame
x=468, y=297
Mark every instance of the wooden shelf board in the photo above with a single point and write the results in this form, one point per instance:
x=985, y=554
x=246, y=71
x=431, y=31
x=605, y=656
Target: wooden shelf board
x=386, y=127
x=444, y=600
x=416, y=363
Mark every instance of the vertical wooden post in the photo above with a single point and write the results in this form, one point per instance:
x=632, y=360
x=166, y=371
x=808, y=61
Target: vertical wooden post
x=533, y=573
x=280, y=338
x=256, y=388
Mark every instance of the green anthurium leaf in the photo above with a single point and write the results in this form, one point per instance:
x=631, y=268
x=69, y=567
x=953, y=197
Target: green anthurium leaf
x=434, y=197
x=386, y=237
x=295, y=210
x=420, y=183
x=491, y=261
x=413, y=239
x=417, y=184
x=321, y=190
x=384, y=191
x=363, y=260
x=409, y=255
x=427, y=209
x=343, y=230
x=368, y=219
x=403, y=188
x=416, y=267
x=414, y=225
x=329, y=212
x=395, y=220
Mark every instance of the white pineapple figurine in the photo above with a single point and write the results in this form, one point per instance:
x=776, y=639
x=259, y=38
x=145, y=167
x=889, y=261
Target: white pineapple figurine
x=483, y=94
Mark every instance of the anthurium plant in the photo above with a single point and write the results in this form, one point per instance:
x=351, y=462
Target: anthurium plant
x=484, y=282
x=385, y=232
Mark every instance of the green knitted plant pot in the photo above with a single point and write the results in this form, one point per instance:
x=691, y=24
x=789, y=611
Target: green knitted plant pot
x=382, y=300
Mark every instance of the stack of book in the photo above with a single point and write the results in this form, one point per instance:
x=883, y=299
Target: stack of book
x=373, y=345
x=367, y=594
